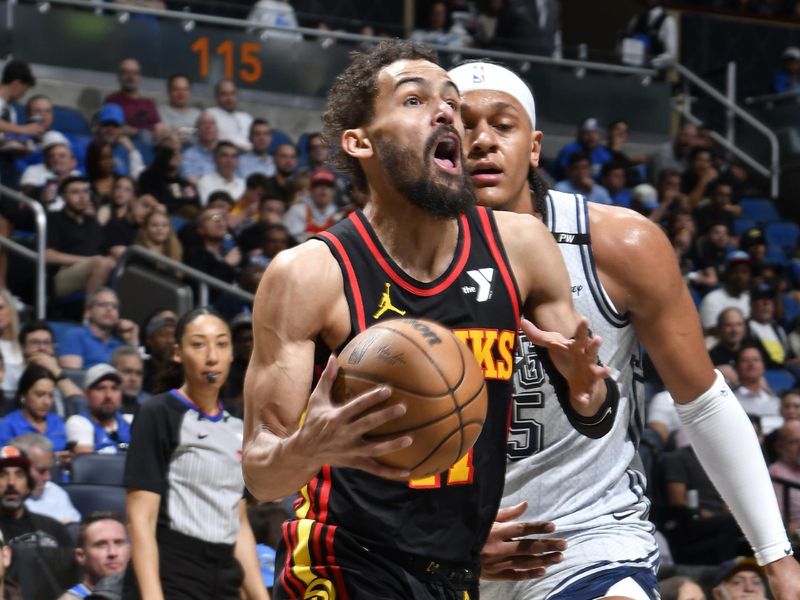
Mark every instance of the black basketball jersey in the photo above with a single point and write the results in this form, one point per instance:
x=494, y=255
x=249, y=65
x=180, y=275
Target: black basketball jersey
x=445, y=517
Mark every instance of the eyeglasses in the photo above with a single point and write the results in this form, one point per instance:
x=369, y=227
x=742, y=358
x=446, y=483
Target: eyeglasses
x=34, y=343
x=136, y=372
x=41, y=470
x=215, y=218
x=107, y=304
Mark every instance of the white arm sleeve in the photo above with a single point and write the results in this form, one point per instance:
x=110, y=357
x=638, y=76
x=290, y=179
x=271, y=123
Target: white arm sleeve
x=726, y=444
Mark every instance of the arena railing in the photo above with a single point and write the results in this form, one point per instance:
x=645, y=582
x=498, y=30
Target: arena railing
x=205, y=281
x=37, y=256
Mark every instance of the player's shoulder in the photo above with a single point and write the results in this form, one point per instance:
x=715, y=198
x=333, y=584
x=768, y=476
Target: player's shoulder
x=616, y=229
x=306, y=262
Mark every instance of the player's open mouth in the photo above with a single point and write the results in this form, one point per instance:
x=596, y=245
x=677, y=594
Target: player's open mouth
x=446, y=154
x=485, y=173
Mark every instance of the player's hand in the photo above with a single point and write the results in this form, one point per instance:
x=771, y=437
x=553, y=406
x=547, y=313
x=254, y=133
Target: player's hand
x=507, y=557
x=576, y=360
x=784, y=578
x=335, y=434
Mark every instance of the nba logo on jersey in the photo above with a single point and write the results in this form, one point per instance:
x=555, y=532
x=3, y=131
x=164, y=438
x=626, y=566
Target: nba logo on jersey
x=477, y=74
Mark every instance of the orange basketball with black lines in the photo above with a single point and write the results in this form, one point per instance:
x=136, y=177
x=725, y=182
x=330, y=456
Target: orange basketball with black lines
x=434, y=374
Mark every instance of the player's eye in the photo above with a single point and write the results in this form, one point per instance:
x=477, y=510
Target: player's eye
x=452, y=104
x=412, y=101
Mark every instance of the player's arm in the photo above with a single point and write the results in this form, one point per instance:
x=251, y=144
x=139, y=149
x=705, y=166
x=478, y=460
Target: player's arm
x=300, y=299
x=546, y=293
x=641, y=264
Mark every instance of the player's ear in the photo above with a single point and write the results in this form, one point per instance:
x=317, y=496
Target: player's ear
x=536, y=148
x=176, y=354
x=356, y=143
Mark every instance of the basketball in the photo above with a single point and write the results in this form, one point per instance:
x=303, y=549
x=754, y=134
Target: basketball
x=430, y=371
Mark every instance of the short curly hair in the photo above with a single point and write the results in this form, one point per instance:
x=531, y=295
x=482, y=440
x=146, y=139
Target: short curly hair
x=351, y=100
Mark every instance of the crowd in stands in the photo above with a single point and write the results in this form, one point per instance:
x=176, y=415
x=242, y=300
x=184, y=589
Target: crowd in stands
x=216, y=189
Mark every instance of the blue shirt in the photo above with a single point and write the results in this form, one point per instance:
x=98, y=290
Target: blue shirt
x=83, y=342
x=599, y=156
x=197, y=161
x=15, y=423
x=266, y=558
x=250, y=163
x=80, y=590
x=104, y=442
x=598, y=194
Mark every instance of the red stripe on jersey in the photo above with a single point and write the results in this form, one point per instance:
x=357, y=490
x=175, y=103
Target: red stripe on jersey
x=318, y=558
x=483, y=215
x=337, y=571
x=312, y=497
x=324, y=493
x=462, y=260
x=290, y=583
x=351, y=277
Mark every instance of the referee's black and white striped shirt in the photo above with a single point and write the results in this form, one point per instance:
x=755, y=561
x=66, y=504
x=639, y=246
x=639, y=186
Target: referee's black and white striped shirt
x=193, y=461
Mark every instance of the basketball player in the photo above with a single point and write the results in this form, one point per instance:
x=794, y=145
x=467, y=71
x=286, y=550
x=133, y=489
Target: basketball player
x=420, y=247
x=625, y=279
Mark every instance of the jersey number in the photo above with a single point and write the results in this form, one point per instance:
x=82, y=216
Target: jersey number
x=526, y=434
x=459, y=474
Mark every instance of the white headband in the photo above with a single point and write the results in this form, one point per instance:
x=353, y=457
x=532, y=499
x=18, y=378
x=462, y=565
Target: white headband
x=488, y=76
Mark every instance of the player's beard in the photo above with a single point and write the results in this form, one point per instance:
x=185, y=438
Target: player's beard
x=440, y=194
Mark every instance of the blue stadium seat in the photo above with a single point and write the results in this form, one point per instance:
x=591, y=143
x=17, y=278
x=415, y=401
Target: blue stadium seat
x=177, y=222
x=783, y=234
x=278, y=138
x=88, y=498
x=742, y=225
x=791, y=310
x=761, y=211
x=776, y=255
x=69, y=120
x=101, y=469
x=779, y=380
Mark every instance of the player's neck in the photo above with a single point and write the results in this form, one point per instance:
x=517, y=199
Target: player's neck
x=422, y=245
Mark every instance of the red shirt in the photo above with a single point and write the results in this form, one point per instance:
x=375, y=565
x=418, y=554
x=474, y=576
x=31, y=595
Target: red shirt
x=140, y=113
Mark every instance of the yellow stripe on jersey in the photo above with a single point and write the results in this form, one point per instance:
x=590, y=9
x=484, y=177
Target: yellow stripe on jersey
x=302, y=511
x=301, y=555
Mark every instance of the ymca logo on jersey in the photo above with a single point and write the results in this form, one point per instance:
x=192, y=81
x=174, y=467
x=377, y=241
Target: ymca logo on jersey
x=483, y=284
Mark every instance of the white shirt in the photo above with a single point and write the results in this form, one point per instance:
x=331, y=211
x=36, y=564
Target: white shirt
x=214, y=181
x=182, y=119
x=718, y=300
x=54, y=503
x=300, y=213
x=760, y=404
x=233, y=126
x=661, y=409
x=14, y=365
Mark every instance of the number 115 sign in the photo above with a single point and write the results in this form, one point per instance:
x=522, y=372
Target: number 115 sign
x=240, y=59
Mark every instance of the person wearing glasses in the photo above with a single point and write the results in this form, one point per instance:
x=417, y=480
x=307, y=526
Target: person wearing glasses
x=35, y=395
x=103, y=332
x=128, y=362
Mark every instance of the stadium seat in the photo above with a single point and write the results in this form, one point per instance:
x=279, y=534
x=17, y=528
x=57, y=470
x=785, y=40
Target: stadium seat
x=101, y=469
x=742, y=225
x=88, y=498
x=779, y=380
x=60, y=328
x=69, y=120
x=761, y=211
x=791, y=310
x=783, y=234
x=776, y=255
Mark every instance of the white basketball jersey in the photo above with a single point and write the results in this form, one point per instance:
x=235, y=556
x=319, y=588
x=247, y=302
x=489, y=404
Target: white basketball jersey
x=593, y=489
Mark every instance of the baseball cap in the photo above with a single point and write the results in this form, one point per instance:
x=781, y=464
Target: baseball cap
x=244, y=319
x=111, y=113
x=590, y=124
x=11, y=456
x=322, y=176
x=646, y=194
x=791, y=53
x=158, y=322
x=762, y=290
x=752, y=237
x=54, y=138
x=98, y=373
x=735, y=565
x=736, y=257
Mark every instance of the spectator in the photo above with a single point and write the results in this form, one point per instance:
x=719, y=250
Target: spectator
x=42, y=181
x=140, y=113
x=579, y=180
x=734, y=293
x=9, y=590
x=102, y=550
x=216, y=254
x=712, y=250
x=285, y=165
x=277, y=13
x=10, y=350
x=787, y=79
x=674, y=155
x=764, y=330
x=128, y=362
x=38, y=109
x=271, y=212
x=790, y=411
x=731, y=329
x=177, y=114
x=159, y=342
x=617, y=137
x=258, y=160
x=16, y=81
x=234, y=125
x=224, y=176
x=316, y=212
x=664, y=420
x=440, y=30
x=127, y=160
x=121, y=233
x=612, y=177
x=245, y=210
x=35, y=394
x=276, y=239
x=644, y=200
x=92, y=343
x=47, y=498
x=102, y=428
x=75, y=243
x=157, y=235
x=38, y=348
x=20, y=526
x=740, y=579
x=163, y=180
x=719, y=208
x=587, y=142
x=242, y=337
x=754, y=242
x=756, y=399
x=680, y=588
x=186, y=446
x=670, y=199
x=658, y=32
x=787, y=467
x=122, y=195
x=198, y=160
x=700, y=174
x=316, y=152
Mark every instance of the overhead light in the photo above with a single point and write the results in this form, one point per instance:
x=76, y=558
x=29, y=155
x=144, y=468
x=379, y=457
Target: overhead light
x=124, y=17
x=188, y=25
x=43, y=7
